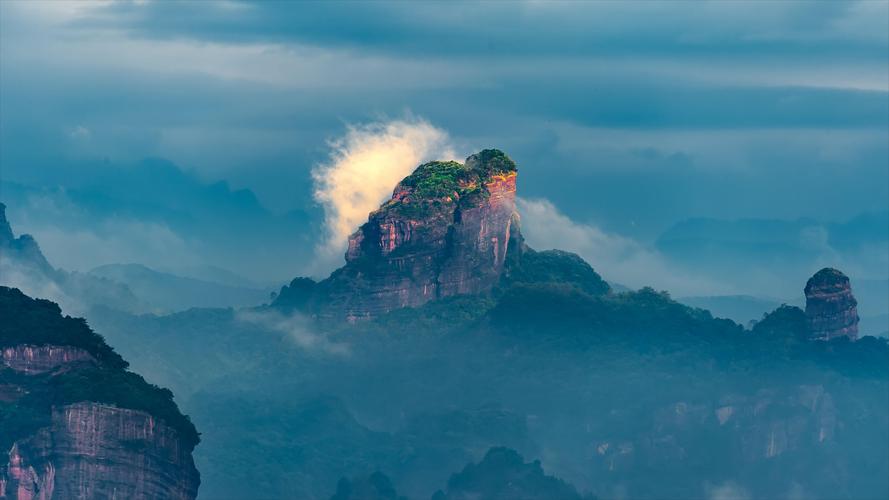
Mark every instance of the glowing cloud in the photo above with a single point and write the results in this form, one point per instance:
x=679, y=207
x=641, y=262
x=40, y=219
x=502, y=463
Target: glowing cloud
x=364, y=166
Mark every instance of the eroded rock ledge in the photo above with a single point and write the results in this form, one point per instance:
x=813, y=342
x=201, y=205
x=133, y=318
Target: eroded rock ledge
x=93, y=450
x=41, y=359
x=831, y=309
x=445, y=231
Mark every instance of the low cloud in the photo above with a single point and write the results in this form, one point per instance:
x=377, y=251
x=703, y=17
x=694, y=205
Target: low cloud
x=364, y=165
x=727, y=491
x=34, y=284
x=72, y=240
x=296, y=328
x=617, y=258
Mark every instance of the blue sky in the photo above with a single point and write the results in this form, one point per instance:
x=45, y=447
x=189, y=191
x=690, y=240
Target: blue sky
x=626, y=116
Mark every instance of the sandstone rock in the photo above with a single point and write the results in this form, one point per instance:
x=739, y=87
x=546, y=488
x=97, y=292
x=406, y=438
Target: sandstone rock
x=74, y=423
x=445, y=231
x=92, y=450
x=831, y=309
x=41, y=359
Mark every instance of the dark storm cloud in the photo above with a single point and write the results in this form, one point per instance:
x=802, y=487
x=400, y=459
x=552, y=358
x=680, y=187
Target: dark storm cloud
x=629, y=115
x=520, y=29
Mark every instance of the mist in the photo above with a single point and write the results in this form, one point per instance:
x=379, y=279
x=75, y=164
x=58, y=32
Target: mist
x=365, y=164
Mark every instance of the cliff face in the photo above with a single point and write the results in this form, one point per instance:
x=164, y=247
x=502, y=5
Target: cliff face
x=41, y=359
x=92, y=450
x=444, y=232
x=74, y=423
x=831, y=309
x=752, y=432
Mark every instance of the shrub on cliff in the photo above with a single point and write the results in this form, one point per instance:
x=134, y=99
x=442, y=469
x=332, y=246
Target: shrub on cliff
x=24, y=320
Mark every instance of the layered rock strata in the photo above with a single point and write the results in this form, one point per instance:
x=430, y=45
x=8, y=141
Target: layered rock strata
x=831, y=309
x=444, y=232
x=41, y=359
x=92, y=450
x=74, y=423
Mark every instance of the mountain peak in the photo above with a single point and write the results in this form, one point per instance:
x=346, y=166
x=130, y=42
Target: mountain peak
x=445, y=231
x=6, y=235
x=23, y=250
x=442, y=185
x=831, y=309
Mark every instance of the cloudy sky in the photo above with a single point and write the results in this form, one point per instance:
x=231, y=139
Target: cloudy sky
x=624, y=117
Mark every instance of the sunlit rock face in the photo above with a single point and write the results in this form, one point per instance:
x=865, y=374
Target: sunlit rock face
x=92, y=450
x=444, y=232
x=831, y=309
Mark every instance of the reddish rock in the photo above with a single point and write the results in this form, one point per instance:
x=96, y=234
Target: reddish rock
x=81, y=427
x=92, y=450
x=41, y=359
x=444, y=232
x=831, y=309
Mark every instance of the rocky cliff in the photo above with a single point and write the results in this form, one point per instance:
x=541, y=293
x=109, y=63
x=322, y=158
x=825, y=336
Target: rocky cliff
x=92, y=450
x=445, y=231
x=74, y=422
x=831, y=309
x=773, y=435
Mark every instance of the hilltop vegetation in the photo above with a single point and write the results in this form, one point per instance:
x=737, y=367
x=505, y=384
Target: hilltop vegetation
x=36, y=322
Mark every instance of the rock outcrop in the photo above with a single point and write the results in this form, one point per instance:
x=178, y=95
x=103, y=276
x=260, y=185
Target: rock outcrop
x=92, y=450
x=831, y=309
x=22, y=250
x=445, y=231
x=759, y=428
x=75, y=423
x=41, y=359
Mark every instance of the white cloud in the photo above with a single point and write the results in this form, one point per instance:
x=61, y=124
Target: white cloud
x=364, y=167
x=119, y=240
x=34, y=284
x=296, y=328
x=727, y=491
x=80, y=133
x=617, y=258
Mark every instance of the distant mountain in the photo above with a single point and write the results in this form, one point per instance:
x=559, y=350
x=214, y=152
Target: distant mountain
x=767, y=258
x=23, y=265
x=769, y=238
x=168, y=292
x=213, y=274
x=76, y=423
x=216, y=223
